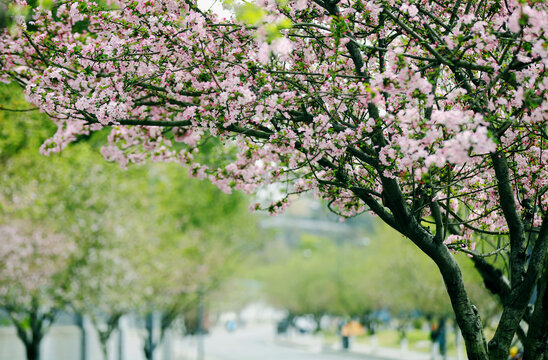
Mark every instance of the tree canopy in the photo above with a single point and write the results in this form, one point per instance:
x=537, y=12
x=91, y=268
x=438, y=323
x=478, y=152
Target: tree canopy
x=320, y=276
x=430, y=114
x=65, y=250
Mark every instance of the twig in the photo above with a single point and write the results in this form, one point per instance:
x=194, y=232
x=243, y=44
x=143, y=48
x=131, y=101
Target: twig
x=477, y=254
x=17, y=110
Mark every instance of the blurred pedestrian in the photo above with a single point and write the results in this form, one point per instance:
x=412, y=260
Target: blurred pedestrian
x=515, y=353
x=434, y=334
x=442, y=332
x=343, y=331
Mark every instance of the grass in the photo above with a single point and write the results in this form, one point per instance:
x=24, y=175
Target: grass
x=418, y=340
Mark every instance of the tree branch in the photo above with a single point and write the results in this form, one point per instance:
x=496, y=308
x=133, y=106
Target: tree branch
x=515, y=224
x=536, y=341
x=376, y=207
x=520, y=296
x=436, y=213
x=493, y=278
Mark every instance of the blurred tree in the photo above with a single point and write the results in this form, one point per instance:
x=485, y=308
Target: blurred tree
x=35, y=267
x=73, y=196
x=321, y=276
x=303, y=280
x=107, y=289
x=178, y=234
x=200, y=235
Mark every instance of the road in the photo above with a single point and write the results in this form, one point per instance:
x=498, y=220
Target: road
x=259, y=343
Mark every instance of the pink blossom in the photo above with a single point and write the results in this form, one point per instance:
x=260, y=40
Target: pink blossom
x=412, y=10
x=513, y=21
x=312, y=107
x=301, y=4
x=264, y=53
x=281, y=46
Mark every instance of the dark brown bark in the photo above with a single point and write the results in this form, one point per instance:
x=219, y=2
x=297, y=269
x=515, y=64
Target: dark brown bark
x=513, y=220
x=466, y=313
x=514, y=311
x=522, y=277
x=31, y=334
x=493, y=278
x=33, y=350
x=33, y=338
x=537, y=335
x=104, y=335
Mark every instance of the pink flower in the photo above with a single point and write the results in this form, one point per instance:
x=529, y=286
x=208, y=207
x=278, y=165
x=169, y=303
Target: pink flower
x=412, y=10
x=263, y=53
x=281, y=46
x=513, y=21
x=300, y=5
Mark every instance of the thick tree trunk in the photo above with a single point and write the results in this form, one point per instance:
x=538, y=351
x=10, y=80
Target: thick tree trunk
x=522, y=290
x=104, y=349
x=33, y=350
x=31, y=339
x=150, y=344
x=523, y=274
x=500, y=344
x=537, y=335
x=466, y=313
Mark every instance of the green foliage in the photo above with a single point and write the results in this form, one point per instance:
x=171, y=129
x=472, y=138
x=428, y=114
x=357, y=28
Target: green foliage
x=20, y=130
x=310, y=279
x=321, y=276
x=149, y=236
x=253, y=15
x=249, y=13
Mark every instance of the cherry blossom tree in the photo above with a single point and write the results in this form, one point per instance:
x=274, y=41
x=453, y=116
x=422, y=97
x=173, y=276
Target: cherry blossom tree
x=195, y=237
x=33, y=280
x=430, y=114
x=68, y=200
x=145, y=266
x=106, y=290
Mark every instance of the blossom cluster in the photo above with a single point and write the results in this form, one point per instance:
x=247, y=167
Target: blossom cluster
x=32, y=261
x=351, y=94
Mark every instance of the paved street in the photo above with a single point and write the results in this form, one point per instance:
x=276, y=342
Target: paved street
x=259, y=343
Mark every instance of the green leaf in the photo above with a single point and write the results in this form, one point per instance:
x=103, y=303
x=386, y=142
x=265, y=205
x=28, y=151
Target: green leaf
x=250, y=14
